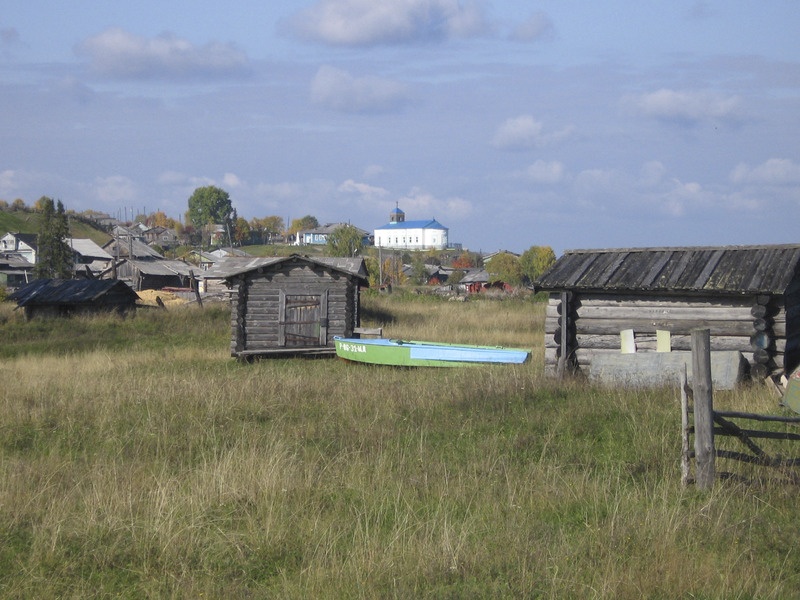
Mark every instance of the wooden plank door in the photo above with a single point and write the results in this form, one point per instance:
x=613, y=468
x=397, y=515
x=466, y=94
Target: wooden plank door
x=303, y=320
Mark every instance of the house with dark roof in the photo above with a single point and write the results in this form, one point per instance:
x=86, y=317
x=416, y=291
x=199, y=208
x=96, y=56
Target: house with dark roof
x=292, y=305
x=23, y=245
x=650, y=299
x=67, y=297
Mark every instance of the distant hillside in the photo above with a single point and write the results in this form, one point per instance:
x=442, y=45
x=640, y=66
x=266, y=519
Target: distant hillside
x=28, y=222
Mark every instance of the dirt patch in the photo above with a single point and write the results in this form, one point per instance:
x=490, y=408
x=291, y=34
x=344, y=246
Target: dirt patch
x=148, y=298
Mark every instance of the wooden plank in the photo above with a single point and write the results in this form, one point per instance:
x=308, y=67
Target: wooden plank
x=722, y=313
x=654, y=369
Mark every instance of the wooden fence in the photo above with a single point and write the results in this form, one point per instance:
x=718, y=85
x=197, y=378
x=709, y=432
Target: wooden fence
x=709, y=423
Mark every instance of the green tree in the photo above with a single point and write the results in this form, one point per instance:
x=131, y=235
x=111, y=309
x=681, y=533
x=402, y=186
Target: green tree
x=346, y=240
x=506, y=268
x=303, y=223
x=54, y=256
x=535, y=261
x=419, y=274
x=210, y=205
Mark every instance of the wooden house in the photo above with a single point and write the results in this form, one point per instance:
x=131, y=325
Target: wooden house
x=650, y=299
x=294, y=305
x=66, y=297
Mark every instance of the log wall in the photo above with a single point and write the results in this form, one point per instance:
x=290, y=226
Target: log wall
x=257, y=297
x=753, y=325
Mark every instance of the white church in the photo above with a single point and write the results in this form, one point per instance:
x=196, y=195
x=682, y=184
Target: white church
x=411, y=235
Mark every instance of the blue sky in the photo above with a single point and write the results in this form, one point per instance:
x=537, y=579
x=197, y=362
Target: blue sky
x=568, y=124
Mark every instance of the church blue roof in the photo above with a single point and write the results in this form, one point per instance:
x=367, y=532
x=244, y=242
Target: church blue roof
x=429, y=224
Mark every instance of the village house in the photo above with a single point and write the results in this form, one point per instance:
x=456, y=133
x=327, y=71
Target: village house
x=319, y=235
x=22, y=245
x=67, y=297
x=604, y=303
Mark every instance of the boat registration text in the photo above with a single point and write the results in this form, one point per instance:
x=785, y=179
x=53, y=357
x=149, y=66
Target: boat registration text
x=352, y=347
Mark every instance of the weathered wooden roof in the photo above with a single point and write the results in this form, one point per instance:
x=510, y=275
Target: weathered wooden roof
x=730, y=270
x=68, y=291
x=230, y=267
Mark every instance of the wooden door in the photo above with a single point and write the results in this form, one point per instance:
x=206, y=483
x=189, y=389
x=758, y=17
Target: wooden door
x=303, y=320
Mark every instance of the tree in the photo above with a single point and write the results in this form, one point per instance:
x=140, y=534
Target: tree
x=506, y=268
x=267, y=228
x=54, y=256
x=535, y=261
x=464, y=261
x=346, y=240
x=210, y=205
x=302, y=224
x=18, y=204
x=241, y=231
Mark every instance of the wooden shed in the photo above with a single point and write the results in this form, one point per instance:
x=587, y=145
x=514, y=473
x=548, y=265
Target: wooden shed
x=650, y=299
x=294, y=305
x=66, y=297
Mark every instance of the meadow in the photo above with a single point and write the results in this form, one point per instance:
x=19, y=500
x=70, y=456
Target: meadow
x=137, y=459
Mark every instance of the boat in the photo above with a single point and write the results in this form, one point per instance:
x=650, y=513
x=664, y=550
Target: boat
x=402, y=353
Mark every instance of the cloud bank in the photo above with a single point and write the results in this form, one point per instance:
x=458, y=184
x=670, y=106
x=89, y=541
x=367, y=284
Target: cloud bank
x=372, y=23
x=120, y=54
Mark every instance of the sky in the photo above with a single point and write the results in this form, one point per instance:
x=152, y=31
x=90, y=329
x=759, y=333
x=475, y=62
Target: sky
x=560, y=123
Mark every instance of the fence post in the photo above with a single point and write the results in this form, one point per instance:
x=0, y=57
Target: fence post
x=685, y=456
x=703, y=409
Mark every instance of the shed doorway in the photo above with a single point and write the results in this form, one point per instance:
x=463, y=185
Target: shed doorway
x=303, y=320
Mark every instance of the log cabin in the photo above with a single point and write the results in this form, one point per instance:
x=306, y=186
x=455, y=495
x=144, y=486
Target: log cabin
x=294, y=305
x=67, y=297
x=651, y=298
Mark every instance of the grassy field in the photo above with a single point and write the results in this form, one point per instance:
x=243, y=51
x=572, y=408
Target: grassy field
x=138, y=459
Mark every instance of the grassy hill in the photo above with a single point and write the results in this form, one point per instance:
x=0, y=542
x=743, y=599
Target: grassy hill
x=28, y=222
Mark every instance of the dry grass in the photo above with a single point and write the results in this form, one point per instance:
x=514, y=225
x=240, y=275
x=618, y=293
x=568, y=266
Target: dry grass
x=171, y=470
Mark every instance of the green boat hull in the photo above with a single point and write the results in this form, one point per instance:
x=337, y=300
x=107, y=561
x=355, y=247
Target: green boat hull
x=400, y=353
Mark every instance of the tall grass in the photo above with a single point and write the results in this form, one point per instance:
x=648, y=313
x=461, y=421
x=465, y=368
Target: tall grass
x=158, y=466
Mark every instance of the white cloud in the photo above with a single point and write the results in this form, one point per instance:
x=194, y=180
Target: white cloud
x=118, y=53
x=339, y=90
x=546, y=172
x=525, y=132
x=232, y=180
x=687, y=106
x=652, y=173
x=538, y=26
x=419, y=204
x=364, y=190
x=373, y=171
x=775, y=171
x=370, y=22
x=114, y=189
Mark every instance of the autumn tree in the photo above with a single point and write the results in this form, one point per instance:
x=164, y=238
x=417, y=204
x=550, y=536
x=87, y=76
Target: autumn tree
x=535, y=261
x=465, y=260
x=505, y=267
x=303, y=224
x=266, y=228
x=346, y=240
x=54, y=256
x=241, y=231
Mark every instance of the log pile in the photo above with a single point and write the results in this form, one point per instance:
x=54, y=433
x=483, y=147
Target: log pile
x=753, y=325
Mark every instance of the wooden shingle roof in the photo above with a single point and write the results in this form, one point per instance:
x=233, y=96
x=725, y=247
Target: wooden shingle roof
x=731, y=270
x=231, y=267
x=73, y=292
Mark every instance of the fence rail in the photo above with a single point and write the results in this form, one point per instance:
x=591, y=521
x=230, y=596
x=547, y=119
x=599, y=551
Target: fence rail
x=708, y=424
